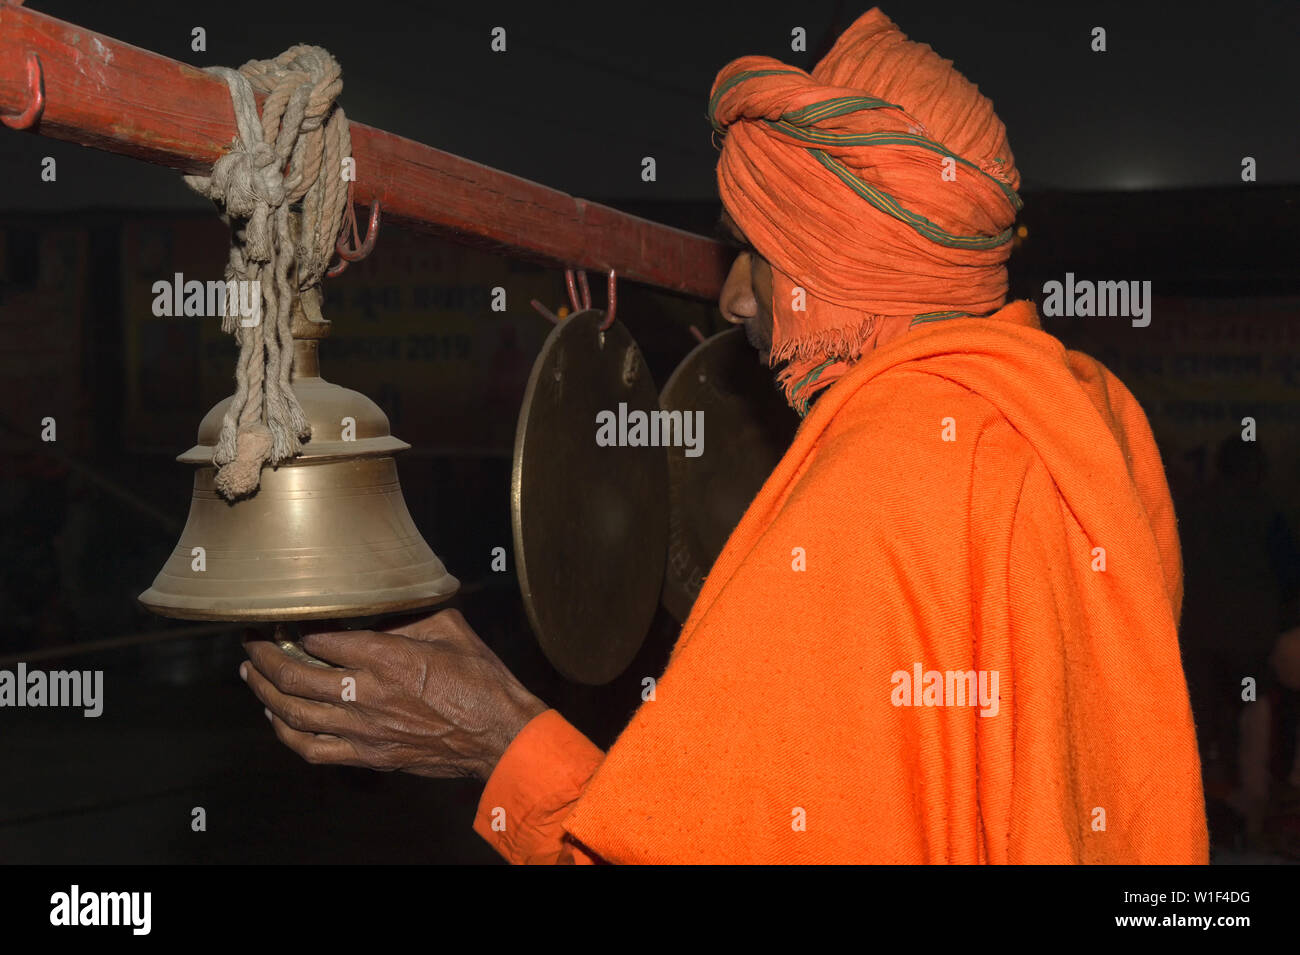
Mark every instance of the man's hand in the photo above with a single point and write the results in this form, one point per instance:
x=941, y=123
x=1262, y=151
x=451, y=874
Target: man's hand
x=427, y=697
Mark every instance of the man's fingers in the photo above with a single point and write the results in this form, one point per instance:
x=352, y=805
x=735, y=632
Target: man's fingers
x=357, y=649
x=316, y=749
x=294, y=678
x=300, y=714
x=430, y=627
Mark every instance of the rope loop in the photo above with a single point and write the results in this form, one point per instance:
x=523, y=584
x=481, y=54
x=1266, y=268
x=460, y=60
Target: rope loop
x=290, y=154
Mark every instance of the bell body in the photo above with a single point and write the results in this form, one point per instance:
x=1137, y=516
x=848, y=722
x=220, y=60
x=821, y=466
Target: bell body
x=326, y=535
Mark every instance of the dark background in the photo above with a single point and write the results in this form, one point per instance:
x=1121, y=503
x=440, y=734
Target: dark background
x=585, y=90
x=1131, y=165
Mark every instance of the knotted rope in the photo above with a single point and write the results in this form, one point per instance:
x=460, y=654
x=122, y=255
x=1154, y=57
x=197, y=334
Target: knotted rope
x=291, y=154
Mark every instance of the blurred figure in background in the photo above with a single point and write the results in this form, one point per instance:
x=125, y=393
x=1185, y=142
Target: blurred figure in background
x=1243, y=566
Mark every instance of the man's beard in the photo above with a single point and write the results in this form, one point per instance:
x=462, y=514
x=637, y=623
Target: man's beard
x=758, y=341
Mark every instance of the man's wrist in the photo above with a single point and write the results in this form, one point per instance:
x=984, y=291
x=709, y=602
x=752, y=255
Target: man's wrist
x=519, y=714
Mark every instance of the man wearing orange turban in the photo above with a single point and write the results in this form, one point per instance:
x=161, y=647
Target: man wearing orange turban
x=946, y=628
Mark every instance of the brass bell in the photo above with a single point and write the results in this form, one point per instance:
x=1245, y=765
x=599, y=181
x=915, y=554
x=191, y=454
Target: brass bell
x=326, y=535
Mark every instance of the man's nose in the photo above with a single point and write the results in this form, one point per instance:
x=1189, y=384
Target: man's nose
x=736, y=301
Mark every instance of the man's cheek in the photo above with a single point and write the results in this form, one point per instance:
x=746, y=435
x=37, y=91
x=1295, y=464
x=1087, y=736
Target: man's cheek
x=763, y=327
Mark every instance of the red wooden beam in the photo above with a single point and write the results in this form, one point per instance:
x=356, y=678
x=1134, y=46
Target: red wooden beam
x=109, y=95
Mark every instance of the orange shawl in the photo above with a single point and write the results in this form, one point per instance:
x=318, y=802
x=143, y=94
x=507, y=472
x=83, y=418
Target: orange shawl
x=775, y=734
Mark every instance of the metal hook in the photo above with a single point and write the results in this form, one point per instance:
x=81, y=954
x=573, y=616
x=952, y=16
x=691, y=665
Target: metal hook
x=359, y=249
x=585, y=288
x=579, y=293
x=546, y=312
x=575, y=303
x=582, y=302
x=573, y=290
x=612, y=303
x=35, y=95
x=357, y=252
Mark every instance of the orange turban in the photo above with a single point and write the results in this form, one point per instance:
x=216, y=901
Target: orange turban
x=881, y=186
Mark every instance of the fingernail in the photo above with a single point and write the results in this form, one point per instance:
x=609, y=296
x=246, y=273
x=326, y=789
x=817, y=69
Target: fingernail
x=267, y=711
x=243, y=671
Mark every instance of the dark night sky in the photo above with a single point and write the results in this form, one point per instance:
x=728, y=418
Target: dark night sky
x=1184, y=92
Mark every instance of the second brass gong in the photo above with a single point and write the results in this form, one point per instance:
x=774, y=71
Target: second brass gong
x=750, y=428
x=589, y=499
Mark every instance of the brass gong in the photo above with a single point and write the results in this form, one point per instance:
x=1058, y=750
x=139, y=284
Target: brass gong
x=750, y=427
x=590, y=521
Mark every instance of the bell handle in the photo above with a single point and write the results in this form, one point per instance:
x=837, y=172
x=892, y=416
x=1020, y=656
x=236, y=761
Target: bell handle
x=284, y=640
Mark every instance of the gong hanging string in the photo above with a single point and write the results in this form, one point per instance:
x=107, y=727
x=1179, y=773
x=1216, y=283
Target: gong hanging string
x=291, y=154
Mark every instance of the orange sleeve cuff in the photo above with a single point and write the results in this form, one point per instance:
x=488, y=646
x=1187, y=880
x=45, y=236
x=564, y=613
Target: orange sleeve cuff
x=540, y=777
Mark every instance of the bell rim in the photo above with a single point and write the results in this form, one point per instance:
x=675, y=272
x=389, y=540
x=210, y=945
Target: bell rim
x=164, y=605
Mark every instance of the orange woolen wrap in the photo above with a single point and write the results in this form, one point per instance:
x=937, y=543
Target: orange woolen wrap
x=855, y=262
x=998, y=464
